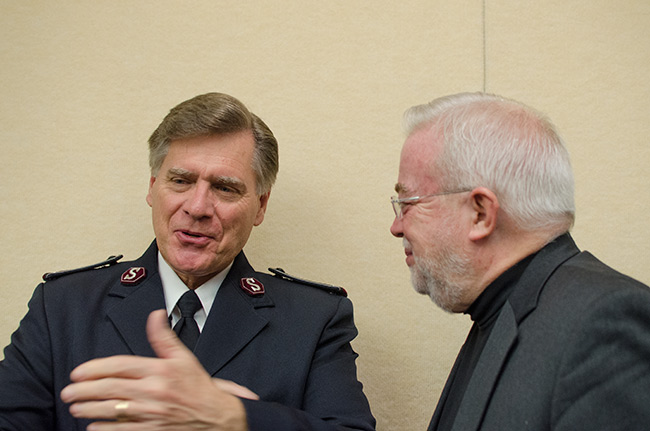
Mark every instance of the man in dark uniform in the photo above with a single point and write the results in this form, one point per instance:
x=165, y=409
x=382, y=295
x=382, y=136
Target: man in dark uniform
x=560, y=341
x=81, y=354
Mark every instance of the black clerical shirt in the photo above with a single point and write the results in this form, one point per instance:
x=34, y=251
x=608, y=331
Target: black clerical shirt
x=483, y=311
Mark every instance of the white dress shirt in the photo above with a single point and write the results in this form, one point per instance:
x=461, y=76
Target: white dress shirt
x=174, y=288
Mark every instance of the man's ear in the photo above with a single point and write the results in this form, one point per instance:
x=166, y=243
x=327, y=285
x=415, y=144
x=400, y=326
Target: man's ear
x=485, y=207
x=151, y=181
x=264, y=200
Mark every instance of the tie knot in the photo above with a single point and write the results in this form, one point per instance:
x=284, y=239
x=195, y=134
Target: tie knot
x=189, y=304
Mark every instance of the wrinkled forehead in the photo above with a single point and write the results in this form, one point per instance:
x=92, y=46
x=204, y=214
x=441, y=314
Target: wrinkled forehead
x=228, y=155
x=419, y=154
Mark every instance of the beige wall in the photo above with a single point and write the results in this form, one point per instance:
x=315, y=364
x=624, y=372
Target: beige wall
x=85, y=83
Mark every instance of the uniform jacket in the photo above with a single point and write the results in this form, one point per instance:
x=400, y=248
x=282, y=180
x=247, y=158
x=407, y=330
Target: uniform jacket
x=570, y=351
x=290, y=345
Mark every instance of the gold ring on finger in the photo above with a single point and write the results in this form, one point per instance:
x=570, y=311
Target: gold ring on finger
x=120, y=410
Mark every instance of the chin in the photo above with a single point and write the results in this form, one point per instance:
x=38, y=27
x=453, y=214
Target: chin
x=191, y=264
x=445, y=294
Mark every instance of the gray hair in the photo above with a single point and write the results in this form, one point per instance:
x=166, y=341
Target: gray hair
x=217, y=114
x=507, y=147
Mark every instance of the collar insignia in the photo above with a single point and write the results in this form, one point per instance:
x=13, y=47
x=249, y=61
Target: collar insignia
x=133, y=275
x=252, y=286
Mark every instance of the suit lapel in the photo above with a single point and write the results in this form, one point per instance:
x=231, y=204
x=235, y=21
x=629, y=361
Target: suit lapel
x=233, y=320
x=522, y=302
x=479, y=388
x=526, y=294
x=232, y=323
x=433, y=424
x=132, y=304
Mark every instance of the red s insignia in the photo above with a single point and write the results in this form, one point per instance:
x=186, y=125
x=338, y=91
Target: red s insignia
x=133, y=275
x=252, y=286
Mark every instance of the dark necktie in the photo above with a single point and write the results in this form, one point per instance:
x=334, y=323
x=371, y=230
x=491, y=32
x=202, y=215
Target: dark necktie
x=186, y=328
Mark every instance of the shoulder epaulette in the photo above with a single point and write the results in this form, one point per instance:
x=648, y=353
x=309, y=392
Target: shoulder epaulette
x=112, y=260
x=334, y=290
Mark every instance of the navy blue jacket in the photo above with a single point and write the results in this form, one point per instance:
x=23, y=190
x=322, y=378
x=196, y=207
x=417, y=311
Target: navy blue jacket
x=290, y=345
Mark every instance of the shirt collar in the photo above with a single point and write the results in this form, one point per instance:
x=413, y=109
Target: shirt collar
x=173, y=288
x=485, y=308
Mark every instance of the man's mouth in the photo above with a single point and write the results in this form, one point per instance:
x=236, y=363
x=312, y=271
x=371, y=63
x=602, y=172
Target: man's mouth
x=191, y=237
x=408, y=251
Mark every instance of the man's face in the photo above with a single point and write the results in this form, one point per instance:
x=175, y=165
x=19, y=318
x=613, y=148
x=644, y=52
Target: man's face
x=431, y=230
x=204, y=204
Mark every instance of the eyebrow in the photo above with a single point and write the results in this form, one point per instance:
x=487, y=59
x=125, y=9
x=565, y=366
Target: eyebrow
x=218, y=180
x=400, y=188
x=180, y=172
x=229, y=181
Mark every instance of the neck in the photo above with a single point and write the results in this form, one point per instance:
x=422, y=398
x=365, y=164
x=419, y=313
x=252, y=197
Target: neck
x=503, y=251
x=193, y=282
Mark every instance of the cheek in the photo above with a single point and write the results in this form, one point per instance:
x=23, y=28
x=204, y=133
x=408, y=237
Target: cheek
x=414, y=231
x=165, y=217
x=236, y=223
x=426, y=237
x=240, y=214
x=167, y=204
x=158, y=211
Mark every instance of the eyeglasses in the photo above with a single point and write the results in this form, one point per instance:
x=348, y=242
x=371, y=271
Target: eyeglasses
x=400, y=203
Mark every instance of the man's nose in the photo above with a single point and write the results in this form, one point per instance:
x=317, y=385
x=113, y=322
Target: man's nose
x=200, y=202
x=396, y=227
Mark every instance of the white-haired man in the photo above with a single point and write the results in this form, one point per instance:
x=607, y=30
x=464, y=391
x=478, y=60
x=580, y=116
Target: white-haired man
x=560, y=341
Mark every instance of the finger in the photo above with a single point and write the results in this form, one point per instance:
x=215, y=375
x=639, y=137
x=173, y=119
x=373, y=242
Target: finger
x=104, y=410
x=163, y=340
x=129, y=415
x=234, y=389
x=125, y=366
x=102, y=389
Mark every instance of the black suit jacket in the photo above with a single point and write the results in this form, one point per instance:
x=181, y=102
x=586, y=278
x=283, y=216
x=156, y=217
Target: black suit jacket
x=570, y=351
x=290, y=345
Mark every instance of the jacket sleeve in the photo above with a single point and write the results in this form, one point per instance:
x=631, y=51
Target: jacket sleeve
x=334, y=398
x=604, y=380
x=26, y=376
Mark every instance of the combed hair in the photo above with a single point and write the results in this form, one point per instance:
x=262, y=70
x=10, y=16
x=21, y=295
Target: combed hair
x=217, y=114
x=507, y=147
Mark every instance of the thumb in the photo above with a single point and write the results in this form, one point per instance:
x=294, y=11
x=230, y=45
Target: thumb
x=163, y=340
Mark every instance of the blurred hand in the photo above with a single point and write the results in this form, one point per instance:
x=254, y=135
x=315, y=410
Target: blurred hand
x=170, y=392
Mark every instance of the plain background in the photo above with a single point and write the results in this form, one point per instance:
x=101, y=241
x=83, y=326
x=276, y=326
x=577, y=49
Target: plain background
x=84, y=83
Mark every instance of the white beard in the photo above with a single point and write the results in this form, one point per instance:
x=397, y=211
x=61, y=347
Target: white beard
x=440, y=277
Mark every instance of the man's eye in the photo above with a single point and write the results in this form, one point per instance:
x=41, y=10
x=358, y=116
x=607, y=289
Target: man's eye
x=227, y=192
x=226, y=189
x=179, y=181
x=405, y=206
